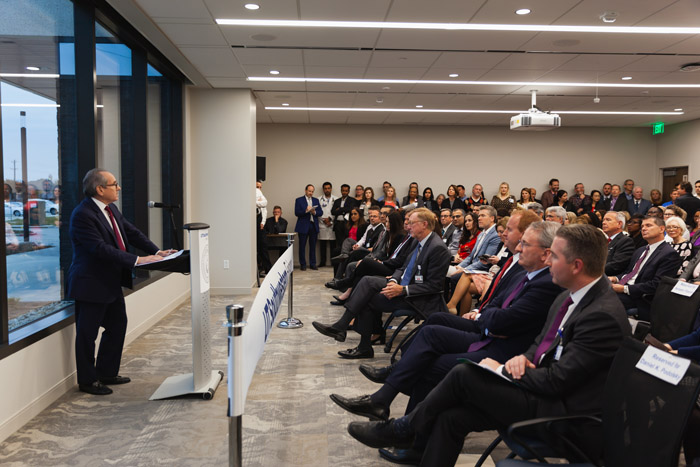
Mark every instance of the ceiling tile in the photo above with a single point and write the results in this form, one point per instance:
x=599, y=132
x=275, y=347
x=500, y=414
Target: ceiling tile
x=335, y=72
x=630, y=12
x=469, y=60
x=194, y=34
x=355, y=10
x=269, y=57
x=503, y=11
x=268, y=9
x=346, y=58
x=300, y=37
x=165, y=9
x=214, y=61
x=401, y=59
x=456, y=11
x=598, y=62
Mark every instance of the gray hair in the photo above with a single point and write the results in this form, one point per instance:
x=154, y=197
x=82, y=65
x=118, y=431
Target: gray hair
x=620, y=217
x=94, y=178
x=679, y=223
x=558, y=211
x=545, y=232
x=537, y=208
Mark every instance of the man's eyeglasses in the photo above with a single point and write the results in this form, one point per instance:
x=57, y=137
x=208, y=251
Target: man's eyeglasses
x=115, y=185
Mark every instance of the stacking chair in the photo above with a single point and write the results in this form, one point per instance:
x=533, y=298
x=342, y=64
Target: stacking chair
x=672, y=315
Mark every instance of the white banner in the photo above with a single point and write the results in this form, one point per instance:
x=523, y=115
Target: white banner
x=261, y=318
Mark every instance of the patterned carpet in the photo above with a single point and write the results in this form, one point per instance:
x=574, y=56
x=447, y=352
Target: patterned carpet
x=289, y=419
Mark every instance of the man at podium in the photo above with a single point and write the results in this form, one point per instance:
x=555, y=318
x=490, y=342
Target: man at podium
x=101, y=265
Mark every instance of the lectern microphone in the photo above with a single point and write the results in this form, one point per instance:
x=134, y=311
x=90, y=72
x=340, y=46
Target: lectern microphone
x=153, y=204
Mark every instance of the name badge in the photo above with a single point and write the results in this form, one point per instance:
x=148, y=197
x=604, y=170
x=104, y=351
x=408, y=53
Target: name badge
x=418, y=277
x=557, y=354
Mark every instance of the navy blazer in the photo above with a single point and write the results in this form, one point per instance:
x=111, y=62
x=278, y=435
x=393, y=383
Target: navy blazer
x=521, y=321
x=665, y=261
x=99, y=268
x=644, y=205
x=304, y=223
x=620, y=250
x=486, y=246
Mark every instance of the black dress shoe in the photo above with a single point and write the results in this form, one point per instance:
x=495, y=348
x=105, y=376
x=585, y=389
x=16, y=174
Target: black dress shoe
x=303, y=268
x=115, y=380
x=357, y=353
x=331, y=284
x=329, y=331
x=96, y=388
x=338, y=301
x=401, y=456
x=314, y=268
x=376, y=375
x=362, y=406
x=380, y=434
x=339, y=258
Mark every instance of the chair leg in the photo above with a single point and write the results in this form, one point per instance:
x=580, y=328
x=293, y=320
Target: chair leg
x=487, y=452
x=403, y=342
x=390, y=342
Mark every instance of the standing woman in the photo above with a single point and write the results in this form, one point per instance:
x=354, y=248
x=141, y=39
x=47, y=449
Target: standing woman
x=428, y=200
x=452, y=201
x=562, y=199
x=438, y=200
x=655, y=197
x=411, y=201
x=525, y=197
x=367, y=202
x=390, y=198
x=596, y=204
x=503, y=202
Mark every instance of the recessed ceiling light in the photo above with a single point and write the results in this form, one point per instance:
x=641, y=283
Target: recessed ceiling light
x=522, y=11
x=608, y=16
x=419, y=106
x=626, y=78
x=379, y=100
x=274, y=72
x=33, y=68
x=285, y=104
x=252, y=6
x=454, y=75
x=678, y=110
x=385, y=88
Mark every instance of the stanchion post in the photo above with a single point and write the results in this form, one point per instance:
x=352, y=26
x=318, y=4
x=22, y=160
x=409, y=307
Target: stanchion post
x=235, y=324
x=290, y=322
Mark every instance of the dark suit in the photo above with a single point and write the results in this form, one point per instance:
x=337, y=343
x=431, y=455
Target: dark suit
x=445, y=338
x=372, y=265
x=307, y=228
x=620, y=204
x=340, y=224
x=97, y=273
x=664, y=261
x=644, y=205
x=456, y=204
x=620, y=250
x=272, y=227
x=470, y=399
x=367, y=304
x=690, y=204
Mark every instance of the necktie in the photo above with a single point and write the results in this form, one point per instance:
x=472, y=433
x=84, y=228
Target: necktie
x=626, y=278
x=497, y=280
x=398, y=248
x=120, y=242
x=552, y=333
x=515, y=292
x=408, y=272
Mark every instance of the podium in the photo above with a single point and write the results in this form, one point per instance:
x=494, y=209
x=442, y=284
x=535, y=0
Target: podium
x=203, y=380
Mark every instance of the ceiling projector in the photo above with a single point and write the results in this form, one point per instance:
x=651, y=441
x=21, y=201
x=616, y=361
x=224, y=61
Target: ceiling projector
x=535, y=119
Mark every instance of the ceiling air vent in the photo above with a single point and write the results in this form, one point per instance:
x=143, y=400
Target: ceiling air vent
x=690, y=67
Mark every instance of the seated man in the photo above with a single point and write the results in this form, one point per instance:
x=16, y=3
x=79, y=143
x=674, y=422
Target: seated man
x=505, y=327
x=486, y=244
x=416, y=285
x=562, y=373
x=276, y=224
x=458, y=223
x=620, y=246
x=636, y=286
x=447, y=225
x=356, y=250
x=555, y=214
x=535, y=207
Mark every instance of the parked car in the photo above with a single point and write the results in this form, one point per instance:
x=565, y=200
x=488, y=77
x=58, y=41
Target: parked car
x=12, y=209
x=51, y=207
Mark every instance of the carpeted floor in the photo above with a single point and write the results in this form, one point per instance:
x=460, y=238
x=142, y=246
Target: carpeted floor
x=289, y=419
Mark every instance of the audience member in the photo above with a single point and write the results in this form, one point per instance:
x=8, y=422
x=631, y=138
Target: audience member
x=655, y=197
x=620, y=246
x=276, y=224
x=689, y=203
x=636, y=286
x=452, y=201
x=570, y=218
x=308, y=210
x=411, y=201
x=629, y=188
x=429, y=202
x=503, y=202
x=677, y=232
x=461, y=192
x=656, y=211
x=548, y=196
x=562, y=200
x=468, y=237
x=580, y=201
x=634, y=228
x=458, y=221
x=536, y=208
x=416, y=285
x=618, y=201
x=390, y=198
x=673, y=195
x=341, y=213
x=597, y=202
x=697, y=189
x=326, y=235
x=563, y=372
x=447, y=225
x=607, y=193
x=263, y=257
x=486, y=244
x=359, y=191
x=639, y=205
x=525, y=197
x=440, y=198
x=533, y=192
x=695, y=233
x=385, y=186
x=555, y=214
x=477, y=198
x=367, y=202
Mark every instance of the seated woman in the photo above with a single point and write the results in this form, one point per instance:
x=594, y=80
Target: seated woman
x=675, y=227
x=525, y=197
x=390, y=198
x=381, y=263
x=562, y=199
x=695, y=233
x=367, y=202
x=470, y=284
x=452, y=201
x=411, y=201
x=429, y=202
x=469, y=234
x=357, y=230
x=596, y=204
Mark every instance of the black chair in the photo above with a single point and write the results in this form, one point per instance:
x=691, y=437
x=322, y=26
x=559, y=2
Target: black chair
x=408, y=315
x=672, y=315
x=642, y=422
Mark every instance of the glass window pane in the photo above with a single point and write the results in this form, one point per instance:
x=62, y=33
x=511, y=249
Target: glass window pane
x=37, y=125
x=156, y=86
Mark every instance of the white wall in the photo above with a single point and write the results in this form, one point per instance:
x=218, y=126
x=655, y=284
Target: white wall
x=679, y=146
x=437, y=156
x=36, y=376
x=221, y=163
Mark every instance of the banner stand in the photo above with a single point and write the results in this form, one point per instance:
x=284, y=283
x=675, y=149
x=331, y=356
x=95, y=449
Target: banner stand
x=235, y=325
x=290, y=322
x=203, y=380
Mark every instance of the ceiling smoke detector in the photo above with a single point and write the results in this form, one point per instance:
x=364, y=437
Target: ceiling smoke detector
x=608, y=16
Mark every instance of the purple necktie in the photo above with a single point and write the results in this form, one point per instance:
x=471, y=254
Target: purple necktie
x=626, y=278
x=552, y=333
x=515, y=292
x=120, y=242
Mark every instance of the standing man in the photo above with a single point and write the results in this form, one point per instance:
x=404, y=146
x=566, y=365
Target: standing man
x=341, y=213
x=308, y=210
x=697, y=188
x=477, y=198
x=607, y=194
x=629, y=188
x=101, y=265
x=638, y=205
x=264, y=264
x=548, y=196
x=618, y=201
x=688, y=202
x=580, y=200
x=326, y=234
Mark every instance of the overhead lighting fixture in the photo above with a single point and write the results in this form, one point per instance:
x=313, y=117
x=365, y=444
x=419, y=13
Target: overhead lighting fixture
x=457, y=26
x=379, y=100
x=285, y=104
x=28, y=75
x=471, y=83
x=463, y=111
x=30, y=105
x=419, y=106
x=454, y=75
x=678, y=110
x=33, y=68
x=626, y=78
x=274, y=72
x=252, y=6
x=385, y=88
x=608, y=16
x=522, y=11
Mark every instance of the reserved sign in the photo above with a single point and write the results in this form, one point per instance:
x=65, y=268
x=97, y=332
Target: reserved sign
x=663, y=365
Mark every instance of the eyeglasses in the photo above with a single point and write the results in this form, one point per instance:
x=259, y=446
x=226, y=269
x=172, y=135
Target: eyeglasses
x=456, y=217
x=115, y=184
x=672, y=227
x=524, y=244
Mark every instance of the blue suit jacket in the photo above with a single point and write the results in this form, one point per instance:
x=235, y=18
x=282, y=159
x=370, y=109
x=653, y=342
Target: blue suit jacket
x=304, y=223
x=644, y=205
x=99, y=268
x=487, y=246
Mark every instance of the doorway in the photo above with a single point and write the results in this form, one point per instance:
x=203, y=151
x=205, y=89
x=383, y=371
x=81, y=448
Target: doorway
x=672, y=176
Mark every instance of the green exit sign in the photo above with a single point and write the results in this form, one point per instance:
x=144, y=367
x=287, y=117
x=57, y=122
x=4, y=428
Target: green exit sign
x=657, y=128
